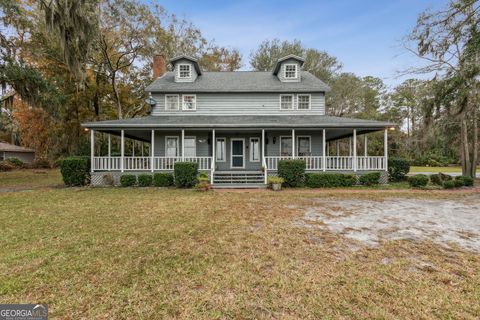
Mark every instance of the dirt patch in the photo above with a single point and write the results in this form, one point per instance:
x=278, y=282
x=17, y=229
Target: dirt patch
x=370, y=222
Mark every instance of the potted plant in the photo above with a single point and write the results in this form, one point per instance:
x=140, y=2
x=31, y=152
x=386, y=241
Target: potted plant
x=275, y=183
x=203, y=182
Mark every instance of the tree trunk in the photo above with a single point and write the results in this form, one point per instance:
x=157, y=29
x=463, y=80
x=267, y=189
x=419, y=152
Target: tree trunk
x=466, y=165
x=475, y=142
x=117, y=96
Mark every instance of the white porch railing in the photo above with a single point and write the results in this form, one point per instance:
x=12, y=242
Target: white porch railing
x=332, y=163
x=144, y=163
x=371, y=163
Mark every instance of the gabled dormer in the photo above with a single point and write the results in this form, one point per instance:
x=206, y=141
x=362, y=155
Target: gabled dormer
x=288, y=68
x=185, y=68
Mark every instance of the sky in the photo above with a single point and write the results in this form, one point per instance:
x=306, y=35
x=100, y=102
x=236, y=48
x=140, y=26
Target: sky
x=365, y=35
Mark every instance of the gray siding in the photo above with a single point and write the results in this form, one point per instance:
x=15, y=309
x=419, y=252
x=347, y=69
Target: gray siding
x=273, y=149
x=203, y=148
x=240, y=104
x=281, y=72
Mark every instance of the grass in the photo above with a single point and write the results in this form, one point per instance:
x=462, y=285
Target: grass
x=454, y=169
x=136, y=253
x=32, y=178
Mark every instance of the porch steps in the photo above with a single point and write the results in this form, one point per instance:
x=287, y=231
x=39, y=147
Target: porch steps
x=231, y=178
x=239, y=186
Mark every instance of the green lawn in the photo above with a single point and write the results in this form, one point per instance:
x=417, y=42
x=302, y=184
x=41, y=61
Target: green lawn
x=32, y=178
x=148, y=253
x=455, y=169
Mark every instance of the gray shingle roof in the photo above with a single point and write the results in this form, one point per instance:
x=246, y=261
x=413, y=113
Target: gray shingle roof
x=13, y=148
x=238, y=81
x=201, y=121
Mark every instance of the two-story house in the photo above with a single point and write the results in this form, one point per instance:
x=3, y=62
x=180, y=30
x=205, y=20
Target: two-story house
x=236, y=125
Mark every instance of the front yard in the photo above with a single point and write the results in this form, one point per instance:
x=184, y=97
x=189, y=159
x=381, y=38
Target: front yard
x=162, y=253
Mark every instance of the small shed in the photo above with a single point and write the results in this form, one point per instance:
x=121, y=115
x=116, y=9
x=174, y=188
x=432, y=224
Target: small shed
x=8, y=150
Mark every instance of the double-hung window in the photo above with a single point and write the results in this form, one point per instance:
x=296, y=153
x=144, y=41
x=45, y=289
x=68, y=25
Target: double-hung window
x=290, y=71
x=286, y=102
x=303, y=146
x=254, y=149
x=189, y=102
x=184, y=71
x=171, y=102
x=190, y=147
x=220, y=152
x=303, y=102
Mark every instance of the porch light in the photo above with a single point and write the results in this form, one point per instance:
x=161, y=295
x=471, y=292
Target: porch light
x=202, y=140
x=392, y=128
x=86, y=129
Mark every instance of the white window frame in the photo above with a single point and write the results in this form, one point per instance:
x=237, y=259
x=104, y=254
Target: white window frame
x=280, y=146
x=166, y=102
x=224, y=153
x=231, y=152
x=178, y=145
x=194, y=102
x=180, y=72
x=285, y=70
x=195, y=141
x=293, y=101
x=297, y=144
x=251, y=150
x=309, y=101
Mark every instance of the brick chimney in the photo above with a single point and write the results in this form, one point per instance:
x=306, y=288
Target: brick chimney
x=159, y=66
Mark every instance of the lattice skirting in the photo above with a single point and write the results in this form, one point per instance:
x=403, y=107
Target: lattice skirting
x=105, y=179
x=383, y=174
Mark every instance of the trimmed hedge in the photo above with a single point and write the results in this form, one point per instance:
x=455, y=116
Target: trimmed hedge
x=163, y=179
x=436, y=179
x=145, y=180
x=450, y=184
x=293, y=172
x=467, y=181
x=329, y=180
x=398, y=169
x=185, y=174
x=418, y=181
x=128, y=180
x=370, y=179
x=75, y=170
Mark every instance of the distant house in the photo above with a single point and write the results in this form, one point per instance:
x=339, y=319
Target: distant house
x=237, y=125
x=8, y=150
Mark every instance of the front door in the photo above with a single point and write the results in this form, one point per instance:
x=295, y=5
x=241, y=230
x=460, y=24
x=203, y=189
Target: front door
x=237, y=155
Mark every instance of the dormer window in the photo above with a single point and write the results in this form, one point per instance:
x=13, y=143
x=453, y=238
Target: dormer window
x=184, y=71
x=290, y=71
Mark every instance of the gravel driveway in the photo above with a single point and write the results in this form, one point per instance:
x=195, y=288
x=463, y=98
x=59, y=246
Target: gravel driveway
x=368, y=222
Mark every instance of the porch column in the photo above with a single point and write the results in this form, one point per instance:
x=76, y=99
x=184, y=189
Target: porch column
x=183, y=145
x=214, y=146
x=109, y=152
x=293, y=143
x=152, y=149
x=338, y=147
x=264, y=164
x=133, y=148
x=385, y=148
x=92, y=149
x=365, y=142
x=355, y=150
x=122, y=150
x=324, y=159
x=350, y=146
x=141, y=147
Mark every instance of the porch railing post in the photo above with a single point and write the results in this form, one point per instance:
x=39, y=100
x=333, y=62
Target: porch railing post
x=122, y=150
x=109, y=152
x=324, y=160
x=183, y=145
x=385, y=148
x=354, y=150
x=92, y=150
x=365, y=145
x=214, y=145
x=264, y=164
x=293, y=143
x=152, y=151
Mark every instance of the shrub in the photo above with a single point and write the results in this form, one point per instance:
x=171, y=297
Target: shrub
x=466, y=181
x=418, y=181
x=145, y=180
x=6, y=166
x=128, y=180
x=445, y=177
x=436, y=179
x=162, y=179
x=458, y=183
x=329, y=180
x=371, y=178
x=292, y=171
x=275, y=180
x=16, y=162
x=398, y=169
x=450, y=184
x=75, y=170
x=185, y=174
x=42, y=163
